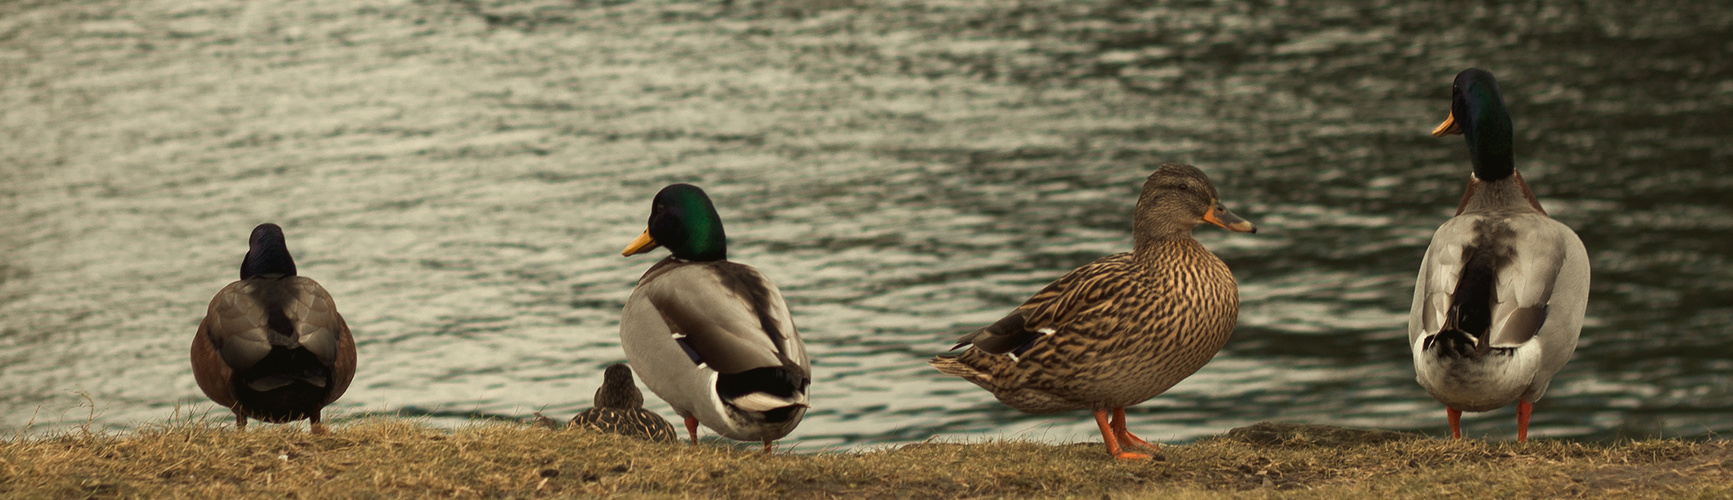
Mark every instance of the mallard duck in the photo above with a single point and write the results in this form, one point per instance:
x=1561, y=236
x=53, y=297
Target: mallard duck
x=1500, y=298
x=711, y=337
x=620, y=410
x=272, y=345
x=1122, y=329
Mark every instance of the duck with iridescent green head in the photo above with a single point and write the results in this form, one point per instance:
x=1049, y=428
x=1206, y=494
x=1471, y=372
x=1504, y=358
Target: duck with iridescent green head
x=1503, y=287
x=712, y=337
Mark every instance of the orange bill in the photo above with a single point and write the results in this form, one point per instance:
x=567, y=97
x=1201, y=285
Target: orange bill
x=1448, y=127
x=644, y=243
x=1220, y=216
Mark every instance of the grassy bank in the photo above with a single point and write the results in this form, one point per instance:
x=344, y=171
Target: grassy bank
x=395, y=457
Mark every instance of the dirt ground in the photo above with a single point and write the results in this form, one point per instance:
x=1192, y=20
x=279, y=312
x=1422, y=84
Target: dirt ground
x=388, y=457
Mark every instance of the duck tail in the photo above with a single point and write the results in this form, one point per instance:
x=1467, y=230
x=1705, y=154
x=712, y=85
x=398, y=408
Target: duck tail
x=764, y=402
x=953, y=365
x=765, y=390
x=1454, y=343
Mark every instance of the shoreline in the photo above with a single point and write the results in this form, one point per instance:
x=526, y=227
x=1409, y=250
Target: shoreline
x=403, y=457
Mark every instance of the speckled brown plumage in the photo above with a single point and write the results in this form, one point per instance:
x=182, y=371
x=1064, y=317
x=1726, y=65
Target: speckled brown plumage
x=1121, y=334
x=1124, y=328
x=620, y=410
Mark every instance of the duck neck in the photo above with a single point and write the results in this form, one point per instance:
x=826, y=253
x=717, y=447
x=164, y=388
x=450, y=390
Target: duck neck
x=267, y=261
x=1486, y=124
x=1162, y=247
x=615, y=394
x=1509, y=194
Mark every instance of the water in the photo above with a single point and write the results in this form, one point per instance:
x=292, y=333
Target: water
x=461, y=177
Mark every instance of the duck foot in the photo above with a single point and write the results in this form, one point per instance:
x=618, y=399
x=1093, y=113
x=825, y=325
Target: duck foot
x=1111, y=438
x=692, y=428
x=1523, y=409
x=1126, y=438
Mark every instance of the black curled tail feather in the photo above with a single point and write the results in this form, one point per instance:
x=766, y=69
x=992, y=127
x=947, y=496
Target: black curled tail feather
x=1452, y=343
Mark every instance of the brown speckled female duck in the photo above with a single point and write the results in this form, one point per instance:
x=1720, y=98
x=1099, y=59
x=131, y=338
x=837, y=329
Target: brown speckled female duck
x=1122, y=329
x=272, y=346
x=620, y=410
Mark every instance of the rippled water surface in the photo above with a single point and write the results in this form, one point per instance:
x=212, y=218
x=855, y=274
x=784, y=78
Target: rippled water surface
x=462, y=176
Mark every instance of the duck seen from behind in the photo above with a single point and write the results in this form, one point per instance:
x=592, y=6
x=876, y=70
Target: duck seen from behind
x=712, y=337
x=272, y=345
x=620, y=410
x=1499, y=301
x=1122, y=329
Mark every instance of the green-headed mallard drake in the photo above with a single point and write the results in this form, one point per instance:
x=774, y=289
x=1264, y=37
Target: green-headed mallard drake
x=272, y=345
x=713, y=338
x=620, y=410
x=1122, y=329
x=1500, y=298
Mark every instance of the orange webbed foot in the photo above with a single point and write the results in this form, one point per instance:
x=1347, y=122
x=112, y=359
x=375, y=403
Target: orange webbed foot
x=1126, y=438
x=1110, y=435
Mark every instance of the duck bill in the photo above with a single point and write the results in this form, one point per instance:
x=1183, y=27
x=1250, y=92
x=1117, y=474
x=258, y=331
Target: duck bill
x=644, y=243
x=1448, y=127
x=1227, y=220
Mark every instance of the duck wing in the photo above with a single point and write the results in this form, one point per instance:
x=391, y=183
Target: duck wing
x=1491, y=278
x=250, y=318
x=1059, y=303
x=728, y=315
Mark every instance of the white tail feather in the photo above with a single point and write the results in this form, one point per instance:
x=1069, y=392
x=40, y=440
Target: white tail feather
x=760, y=402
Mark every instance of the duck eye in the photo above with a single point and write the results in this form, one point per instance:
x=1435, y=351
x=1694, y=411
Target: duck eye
x=1184, y=187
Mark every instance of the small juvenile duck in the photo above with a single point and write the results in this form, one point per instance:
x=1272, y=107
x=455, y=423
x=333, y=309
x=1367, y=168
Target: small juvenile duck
x=272, y=345
x=1502, y=289
x=1122, y=329
x=620, y=410
x=711, y=337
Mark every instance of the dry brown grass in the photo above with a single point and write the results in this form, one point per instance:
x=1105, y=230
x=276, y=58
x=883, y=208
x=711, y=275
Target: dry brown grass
x=389, y=457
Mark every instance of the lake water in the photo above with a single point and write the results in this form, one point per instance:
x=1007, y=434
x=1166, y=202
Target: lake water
x=462, y=175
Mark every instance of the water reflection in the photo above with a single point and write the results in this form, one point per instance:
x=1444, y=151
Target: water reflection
x=462, y=185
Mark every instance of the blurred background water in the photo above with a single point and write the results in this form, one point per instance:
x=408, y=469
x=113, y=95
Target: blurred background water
x=462, y=174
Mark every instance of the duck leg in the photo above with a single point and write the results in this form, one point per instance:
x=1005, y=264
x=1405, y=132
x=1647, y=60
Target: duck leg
x=240, y=420
x=692, y=428
x=767, y=447
x=1523, y=409
x=318, y=427
x=1111, y=438
x=1126, y=438
x=1455, y=417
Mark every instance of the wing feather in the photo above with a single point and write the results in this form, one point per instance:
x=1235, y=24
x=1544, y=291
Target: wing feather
x=1525, y=284
x=1056, y=305
x=720, y=324
x=1440, y=271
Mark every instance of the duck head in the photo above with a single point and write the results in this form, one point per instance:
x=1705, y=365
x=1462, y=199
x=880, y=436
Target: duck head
x=618, y=390
x=683, y=219
x=1477, y=112
x=1177, y=197
x=267, y=254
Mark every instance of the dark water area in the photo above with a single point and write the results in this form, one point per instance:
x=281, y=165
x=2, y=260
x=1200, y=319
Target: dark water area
x=461, y=177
